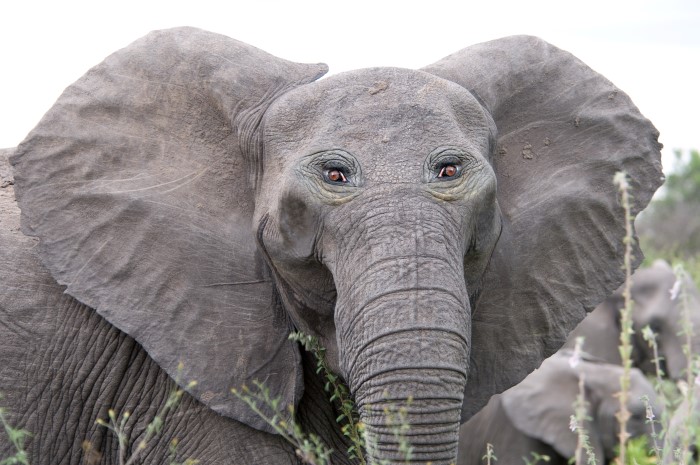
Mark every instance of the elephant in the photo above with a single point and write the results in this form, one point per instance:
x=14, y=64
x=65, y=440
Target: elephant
x=534, y=415
x=192, y=199
x=654, y=306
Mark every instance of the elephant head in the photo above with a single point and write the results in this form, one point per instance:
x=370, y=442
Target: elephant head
x=655, y=305
x=535, y=414
x=440, y=230
x=661, y=308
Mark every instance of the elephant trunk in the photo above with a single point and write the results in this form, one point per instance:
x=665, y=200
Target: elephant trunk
x=405, y=344
x=411, y=411
x=403, y=323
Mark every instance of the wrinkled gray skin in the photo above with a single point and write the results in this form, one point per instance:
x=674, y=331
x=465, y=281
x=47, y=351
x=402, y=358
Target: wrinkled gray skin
x=179, y=203
x=534, y=416
x=653, y=307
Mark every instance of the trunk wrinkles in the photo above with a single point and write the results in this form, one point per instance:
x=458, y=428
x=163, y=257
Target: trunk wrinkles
x=403, y=329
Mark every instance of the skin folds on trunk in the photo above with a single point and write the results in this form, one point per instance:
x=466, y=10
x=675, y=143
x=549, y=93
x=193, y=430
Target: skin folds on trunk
x=430, y=405
x=403, y=361
x=403, y=331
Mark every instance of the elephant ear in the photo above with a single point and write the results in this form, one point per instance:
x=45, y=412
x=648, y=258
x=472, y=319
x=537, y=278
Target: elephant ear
x=541, y=407
x=139, y=182
x=563, y=133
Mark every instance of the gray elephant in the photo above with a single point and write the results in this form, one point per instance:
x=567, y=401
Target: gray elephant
x=534, y=416
x=654, y=306
x=195, y=199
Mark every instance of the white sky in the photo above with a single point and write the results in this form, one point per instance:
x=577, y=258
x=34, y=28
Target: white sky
x=649, y=49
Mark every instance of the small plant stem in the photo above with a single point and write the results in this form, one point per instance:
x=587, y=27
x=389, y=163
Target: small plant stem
x=626, y=332
x=119, y=428
x=579, y=442
x=397, y=422
x=273, y=421
x=308, y=447
x=351, y=426
x=536, y=458
x=687, y=332
x=578, y=421
x=650, y=337
x=489, y=454
x=17, y=438
x=650, y=419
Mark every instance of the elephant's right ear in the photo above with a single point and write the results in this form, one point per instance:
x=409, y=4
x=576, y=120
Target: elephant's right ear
x=140, y=183
x=564, y=131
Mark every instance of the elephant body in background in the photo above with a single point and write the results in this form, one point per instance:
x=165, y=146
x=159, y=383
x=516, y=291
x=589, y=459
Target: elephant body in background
x=655, y=306
x=191, y=200
x=534, y=415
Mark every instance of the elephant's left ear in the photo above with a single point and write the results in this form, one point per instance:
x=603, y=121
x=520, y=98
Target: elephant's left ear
x=139, y=182
x=564, y=131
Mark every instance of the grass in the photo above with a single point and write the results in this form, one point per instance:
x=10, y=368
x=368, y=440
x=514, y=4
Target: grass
x=117, y=424
x=349, y=418
x=308, y=446
x=17, y=438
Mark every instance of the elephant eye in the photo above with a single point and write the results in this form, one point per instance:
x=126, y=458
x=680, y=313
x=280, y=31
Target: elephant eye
x=449, y=171
x=335, y=176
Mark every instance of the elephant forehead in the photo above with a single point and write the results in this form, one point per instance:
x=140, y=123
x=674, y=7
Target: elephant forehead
x=386, y=117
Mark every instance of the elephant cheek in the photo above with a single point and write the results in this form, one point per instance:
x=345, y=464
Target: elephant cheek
x=297, y=222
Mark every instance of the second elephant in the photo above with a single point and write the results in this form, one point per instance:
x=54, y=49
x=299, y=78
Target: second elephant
x=534, y=416
x=654, y=306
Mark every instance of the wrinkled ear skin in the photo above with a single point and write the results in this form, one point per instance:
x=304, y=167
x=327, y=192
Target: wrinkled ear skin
x=563, y=133
x=140, y=182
